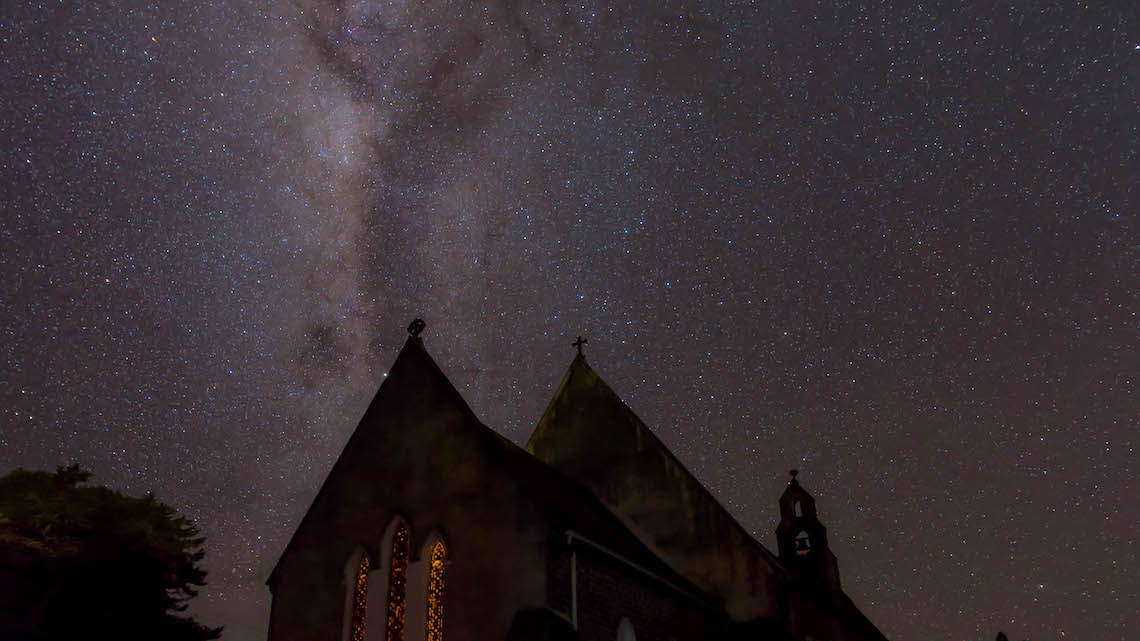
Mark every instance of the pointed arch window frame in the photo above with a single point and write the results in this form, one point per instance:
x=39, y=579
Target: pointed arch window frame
x=397, y=545
x=437, y=552
x=379, y=583
x=356, y=570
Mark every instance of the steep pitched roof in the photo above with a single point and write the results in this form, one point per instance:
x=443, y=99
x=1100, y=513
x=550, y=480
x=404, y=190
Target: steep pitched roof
x=414, y=389
x=569, y=506
x=589, y=433
x=414, y=382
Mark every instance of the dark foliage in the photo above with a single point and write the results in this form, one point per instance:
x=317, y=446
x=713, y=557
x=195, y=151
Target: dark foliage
x=80, y=561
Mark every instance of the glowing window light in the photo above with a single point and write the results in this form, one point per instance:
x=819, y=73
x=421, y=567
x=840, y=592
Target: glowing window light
x=398, y=584
x=435, y=593
x=360, y=598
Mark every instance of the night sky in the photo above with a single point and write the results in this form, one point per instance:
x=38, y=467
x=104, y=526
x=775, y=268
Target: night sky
x=895, y=247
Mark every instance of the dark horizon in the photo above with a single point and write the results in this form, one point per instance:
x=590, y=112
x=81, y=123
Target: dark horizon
x=892, y=247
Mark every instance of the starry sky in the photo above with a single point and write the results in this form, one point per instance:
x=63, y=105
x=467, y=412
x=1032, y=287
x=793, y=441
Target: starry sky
x=893, y=245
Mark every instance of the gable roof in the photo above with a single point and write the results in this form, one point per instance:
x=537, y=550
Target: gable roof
x=413, y=380
x=571, y=508
x=416, y=382
x=593, y=469
x=590, y=434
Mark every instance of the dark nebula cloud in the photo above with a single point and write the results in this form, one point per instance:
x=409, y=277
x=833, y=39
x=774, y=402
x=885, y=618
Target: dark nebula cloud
x=894, y=246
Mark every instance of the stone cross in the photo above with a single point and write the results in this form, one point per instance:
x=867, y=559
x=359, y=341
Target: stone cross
x=579, y=343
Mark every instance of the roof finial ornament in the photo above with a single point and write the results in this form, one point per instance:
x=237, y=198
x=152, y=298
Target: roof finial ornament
x=579, y=343
x=416, y=327
x=793, y=472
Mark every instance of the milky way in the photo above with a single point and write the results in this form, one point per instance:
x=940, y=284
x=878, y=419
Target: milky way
x=892, y=246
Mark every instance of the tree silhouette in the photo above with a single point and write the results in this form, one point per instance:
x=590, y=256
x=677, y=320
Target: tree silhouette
x=80, y=561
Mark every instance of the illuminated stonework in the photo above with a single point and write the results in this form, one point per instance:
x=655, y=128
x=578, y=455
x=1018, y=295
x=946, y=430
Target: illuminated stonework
x=398, y=584
x=435, y=593
x=360, y=598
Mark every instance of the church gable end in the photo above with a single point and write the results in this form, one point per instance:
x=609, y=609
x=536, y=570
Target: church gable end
x=384, y=455
x=589, y=434
x=420, y=459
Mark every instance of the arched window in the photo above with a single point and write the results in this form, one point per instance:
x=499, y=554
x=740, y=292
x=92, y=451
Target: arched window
x=803, y=544
x=799, y=508
x=435, y=592
x=398, y=583
x=359, y=599
x=625, y=631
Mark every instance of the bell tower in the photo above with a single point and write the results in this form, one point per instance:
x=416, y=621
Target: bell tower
x=802, y=542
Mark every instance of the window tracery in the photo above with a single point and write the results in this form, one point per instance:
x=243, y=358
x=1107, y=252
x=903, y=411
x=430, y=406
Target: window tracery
x=435, y=592
x=398, y=584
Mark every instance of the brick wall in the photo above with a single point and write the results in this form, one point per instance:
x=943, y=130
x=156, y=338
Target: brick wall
x=558, y=577
x=610, y=590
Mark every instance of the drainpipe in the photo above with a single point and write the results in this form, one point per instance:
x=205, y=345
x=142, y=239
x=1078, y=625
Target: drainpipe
x=573, y=582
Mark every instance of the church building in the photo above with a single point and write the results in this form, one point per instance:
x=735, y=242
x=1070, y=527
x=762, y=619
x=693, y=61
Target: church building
x=432, y=527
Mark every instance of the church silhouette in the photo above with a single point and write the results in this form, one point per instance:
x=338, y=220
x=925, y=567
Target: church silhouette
x=431, y=526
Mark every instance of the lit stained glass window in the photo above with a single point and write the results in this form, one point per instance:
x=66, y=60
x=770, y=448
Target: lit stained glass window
x=360, y=598
x=398, y=584
x=435, y=593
